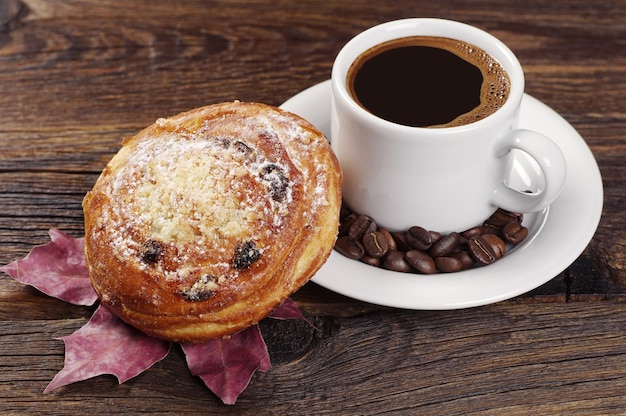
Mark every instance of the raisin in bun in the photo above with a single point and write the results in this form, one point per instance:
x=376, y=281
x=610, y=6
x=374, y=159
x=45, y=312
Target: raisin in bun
x=206, y=221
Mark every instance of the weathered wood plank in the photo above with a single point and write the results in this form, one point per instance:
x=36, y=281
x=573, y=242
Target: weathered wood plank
x=76, y=76
x=377, y=362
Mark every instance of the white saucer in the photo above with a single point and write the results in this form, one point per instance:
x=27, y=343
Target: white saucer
x=556, y=238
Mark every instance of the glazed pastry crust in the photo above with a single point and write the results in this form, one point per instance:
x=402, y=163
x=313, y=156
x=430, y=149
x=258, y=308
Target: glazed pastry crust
x=206, y=221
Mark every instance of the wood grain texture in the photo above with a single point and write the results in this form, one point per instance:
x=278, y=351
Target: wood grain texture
x=556, y=358
x=77, y=76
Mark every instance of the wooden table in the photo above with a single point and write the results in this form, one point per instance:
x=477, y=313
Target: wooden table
x=78, y=75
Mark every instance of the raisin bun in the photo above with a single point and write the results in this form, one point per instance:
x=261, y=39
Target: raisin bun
x=206, y=221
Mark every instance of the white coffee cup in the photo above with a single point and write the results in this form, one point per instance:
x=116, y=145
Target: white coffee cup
x=443, y=179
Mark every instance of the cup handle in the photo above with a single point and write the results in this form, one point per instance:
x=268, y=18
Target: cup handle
x=550, y=159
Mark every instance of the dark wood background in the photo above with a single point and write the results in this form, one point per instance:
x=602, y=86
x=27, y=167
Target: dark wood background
x=78, y=75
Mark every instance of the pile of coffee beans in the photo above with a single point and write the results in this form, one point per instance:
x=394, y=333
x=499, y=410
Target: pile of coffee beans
x=418, y=250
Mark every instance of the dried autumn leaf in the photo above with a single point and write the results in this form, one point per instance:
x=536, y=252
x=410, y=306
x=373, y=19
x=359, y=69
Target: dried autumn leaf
x=107, y=345
x=226, y=365
x=287, y=310
x=57, y=269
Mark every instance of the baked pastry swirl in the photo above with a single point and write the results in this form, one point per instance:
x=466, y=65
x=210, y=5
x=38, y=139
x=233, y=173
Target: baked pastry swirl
x=204, y=222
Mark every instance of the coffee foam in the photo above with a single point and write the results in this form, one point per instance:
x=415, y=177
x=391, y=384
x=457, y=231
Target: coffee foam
x=496, y=83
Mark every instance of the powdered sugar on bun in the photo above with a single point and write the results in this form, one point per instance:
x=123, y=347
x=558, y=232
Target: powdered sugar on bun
x=206, y=221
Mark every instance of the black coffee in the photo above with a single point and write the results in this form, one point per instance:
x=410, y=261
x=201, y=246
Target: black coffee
x=425, y=81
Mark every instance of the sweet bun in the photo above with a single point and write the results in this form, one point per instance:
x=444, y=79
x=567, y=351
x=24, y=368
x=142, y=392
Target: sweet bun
x=206, y=221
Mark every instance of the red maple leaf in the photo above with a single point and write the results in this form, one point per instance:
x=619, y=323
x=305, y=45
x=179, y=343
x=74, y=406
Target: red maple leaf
x=226, y=365
x=107, y=345
x=287, y=310
x=57, y=269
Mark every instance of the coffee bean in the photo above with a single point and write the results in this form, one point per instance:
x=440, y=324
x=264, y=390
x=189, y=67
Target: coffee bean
x=401, y=242
x=502, y=217
x=435, y=236
x=344, y=212
x=419, y=238
x=391, y=242
x=394, y=260
x=473, y=232
x=481, y=250
x=448, y=264
x=375, y=244
x=346, y=223
x=446, y=245
x=497, y=245
x=492, y=229
x=422, y=251
x=362, y=225
x=371, y=261
x=421, y=261
x=514, y=233
x=496, y=222
x=350, y=248
x=465, y=258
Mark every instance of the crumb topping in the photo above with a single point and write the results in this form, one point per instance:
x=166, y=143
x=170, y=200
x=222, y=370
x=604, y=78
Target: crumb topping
x=211, y=194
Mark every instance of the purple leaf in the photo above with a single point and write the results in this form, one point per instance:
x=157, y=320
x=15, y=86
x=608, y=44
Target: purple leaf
x=226, y=365
x=57, y=269
x=107, y=345
x=287, y=310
